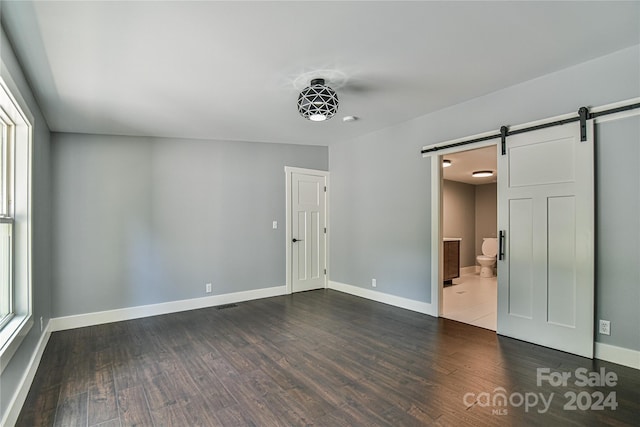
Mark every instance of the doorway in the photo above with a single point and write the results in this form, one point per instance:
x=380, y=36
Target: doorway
x=306, y=229
x=546, y=228
x=469, y=218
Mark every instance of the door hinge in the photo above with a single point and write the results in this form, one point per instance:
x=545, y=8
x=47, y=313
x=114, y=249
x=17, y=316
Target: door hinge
x=325, y=230
x=325, y=271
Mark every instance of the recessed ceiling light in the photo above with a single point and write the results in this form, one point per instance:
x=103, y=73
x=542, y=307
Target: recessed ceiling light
x=349, y=119
x=482, y=174
x=446, y=163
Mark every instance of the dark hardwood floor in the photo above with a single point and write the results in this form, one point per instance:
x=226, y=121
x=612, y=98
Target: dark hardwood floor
x=319, y=358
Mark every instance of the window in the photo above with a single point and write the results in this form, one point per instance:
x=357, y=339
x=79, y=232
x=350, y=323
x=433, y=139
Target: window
x=15, y=220
x=6, y=220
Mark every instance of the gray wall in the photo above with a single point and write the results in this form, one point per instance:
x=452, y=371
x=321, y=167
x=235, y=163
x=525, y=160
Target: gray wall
x=380, y=214
x=458, y=217
x=381, y=209
x=141, y=221
x=486, y=196
x=41, y=231
x=618, y=230
x=469, y=212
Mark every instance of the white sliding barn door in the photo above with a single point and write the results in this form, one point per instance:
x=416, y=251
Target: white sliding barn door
x=546, y=213
x=308, y=232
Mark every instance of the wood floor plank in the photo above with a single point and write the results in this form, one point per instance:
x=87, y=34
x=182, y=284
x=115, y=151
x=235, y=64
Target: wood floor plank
x=161, y=392
x=308, y=402
x=77, y=376
x=102, y=402
x=111, y=423
x=169, y=416
x=320, y=358
x=40, y=408
x=133, y=408
x=72, y=411
x=200, y=412
x=232, y=416
x=207, y=383
x=287, y=412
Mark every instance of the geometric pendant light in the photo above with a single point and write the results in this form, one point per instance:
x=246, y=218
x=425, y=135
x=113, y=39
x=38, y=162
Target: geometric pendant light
x=317, y=102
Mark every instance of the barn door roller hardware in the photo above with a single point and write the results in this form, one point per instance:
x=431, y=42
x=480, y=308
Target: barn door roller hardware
x=503, y=136
x=582, y=117
x=583, y=113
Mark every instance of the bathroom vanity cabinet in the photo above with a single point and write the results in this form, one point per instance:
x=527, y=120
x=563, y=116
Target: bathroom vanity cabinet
x=451, y=255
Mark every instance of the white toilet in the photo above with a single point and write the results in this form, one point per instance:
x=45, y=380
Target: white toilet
x=488, y=258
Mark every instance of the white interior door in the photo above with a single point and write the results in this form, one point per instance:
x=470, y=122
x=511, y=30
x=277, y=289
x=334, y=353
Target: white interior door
x=546, y=212
x=308, y=231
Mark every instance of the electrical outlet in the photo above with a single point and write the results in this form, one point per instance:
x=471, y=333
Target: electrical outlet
x=208, y=288
x=374, y=283
x=275, y=225
x=604, y=327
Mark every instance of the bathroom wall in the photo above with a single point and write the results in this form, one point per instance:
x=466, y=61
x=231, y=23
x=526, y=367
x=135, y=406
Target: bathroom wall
x=458, y=219
x=470, y=212
x=486, y=213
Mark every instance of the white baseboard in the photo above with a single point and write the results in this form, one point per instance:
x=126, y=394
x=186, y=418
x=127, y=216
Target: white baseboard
x=619, y=355
x=118, y=315
x=409, y=304
x=17, y=400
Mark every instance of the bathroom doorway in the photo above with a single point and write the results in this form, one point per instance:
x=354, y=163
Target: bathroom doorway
x=469, y=229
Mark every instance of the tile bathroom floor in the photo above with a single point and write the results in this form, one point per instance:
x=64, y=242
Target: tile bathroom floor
x=472, y=299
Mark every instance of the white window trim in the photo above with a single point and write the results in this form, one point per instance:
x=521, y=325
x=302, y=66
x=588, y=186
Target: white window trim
x=13, y=333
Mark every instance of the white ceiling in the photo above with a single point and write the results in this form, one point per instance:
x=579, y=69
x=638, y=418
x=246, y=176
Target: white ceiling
x=464, y=163
x=226, y=70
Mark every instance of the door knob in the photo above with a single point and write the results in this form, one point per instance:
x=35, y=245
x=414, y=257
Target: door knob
x=297, y=240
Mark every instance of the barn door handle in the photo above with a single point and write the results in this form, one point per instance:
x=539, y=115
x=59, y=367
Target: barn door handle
x=297, y=240
x=501, y=245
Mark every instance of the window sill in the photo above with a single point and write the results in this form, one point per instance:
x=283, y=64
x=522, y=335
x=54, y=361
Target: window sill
x=11, y=337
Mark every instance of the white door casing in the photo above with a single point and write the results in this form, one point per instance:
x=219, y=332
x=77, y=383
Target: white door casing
x=546, y=213
x=306, y=229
